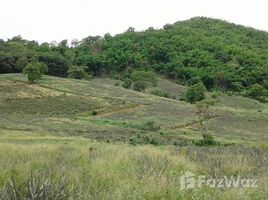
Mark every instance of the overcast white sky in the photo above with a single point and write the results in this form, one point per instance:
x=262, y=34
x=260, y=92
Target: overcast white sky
x=48, y=20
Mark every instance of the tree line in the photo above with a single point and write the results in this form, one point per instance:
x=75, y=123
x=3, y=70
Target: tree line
x=220, y=55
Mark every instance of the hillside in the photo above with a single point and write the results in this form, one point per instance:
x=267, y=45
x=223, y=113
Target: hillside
x=77, y=139
x=222, y=55
x=108, y=117
x=98, y=109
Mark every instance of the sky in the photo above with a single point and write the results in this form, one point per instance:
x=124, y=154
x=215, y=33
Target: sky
x=55, y=20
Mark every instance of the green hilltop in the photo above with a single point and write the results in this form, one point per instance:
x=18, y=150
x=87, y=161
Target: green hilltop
x=222, y=55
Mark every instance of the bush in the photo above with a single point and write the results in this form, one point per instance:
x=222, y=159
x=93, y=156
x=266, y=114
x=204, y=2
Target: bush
x=143, y=79
x=127, y=84
x=160, y=93
x=43, y=68
x=208, y=81
x=34, y=71
x=258, y=92
x=77, y=73
x=138, y=140
x=215, y=94
x=94, y=112
x=151, y=126
x=57, y=64
x=180, y=143
x=139, y=86
x=208, y=140
x=195, y=93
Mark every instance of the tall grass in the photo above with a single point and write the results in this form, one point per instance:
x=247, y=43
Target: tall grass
x=39, y=186
x=75, y=168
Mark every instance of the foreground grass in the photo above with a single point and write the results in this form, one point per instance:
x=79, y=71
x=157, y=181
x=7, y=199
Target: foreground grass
x=119, y=171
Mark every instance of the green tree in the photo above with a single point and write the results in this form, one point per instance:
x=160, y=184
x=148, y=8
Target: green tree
x=94, y=64
x=56, y=63
x=215, y=52
x=131, y=30
x=258, y=92
x=195, y=93
x=33, y=71
x=77, y=73
x=43, y=68
x=143, y=79
x=6, y=63
x=206, y=111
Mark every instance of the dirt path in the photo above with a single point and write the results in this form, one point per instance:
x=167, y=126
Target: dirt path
x=189, y=124
x=130, y=108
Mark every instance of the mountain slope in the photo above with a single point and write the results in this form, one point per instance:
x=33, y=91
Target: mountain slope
x=222, y=55
x=97, y=109
x=218, y=53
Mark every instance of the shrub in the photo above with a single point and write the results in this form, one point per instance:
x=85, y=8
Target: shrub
x=43, y=68
x=180, y=143
x=57, y=64
x=195, y=93
x=208, y=81
x=127, y=84
x=160, y=93
x=77, y=73
x=151, y=126
x=144, y=78
x=34, y=71
x=140, y=80
x=137, y=140
x=215, y=94
x=208, y=140
x=139, y=86
x=94, y=112
x=258, y=92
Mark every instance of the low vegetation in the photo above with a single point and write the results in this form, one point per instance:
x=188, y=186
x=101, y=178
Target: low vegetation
x=99, y=110
x=160, y=93
x=67, y=168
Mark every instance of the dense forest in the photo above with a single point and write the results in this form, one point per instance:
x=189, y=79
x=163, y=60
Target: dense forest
x=222, y=55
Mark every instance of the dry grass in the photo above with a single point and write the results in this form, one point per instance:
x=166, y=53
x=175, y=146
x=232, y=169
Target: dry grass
x=120, y=171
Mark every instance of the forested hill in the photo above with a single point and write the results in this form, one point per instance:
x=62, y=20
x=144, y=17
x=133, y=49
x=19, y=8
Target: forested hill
x=220, y=54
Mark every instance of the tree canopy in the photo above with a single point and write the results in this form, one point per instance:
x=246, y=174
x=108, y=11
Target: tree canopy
x=34, y=71
x=222, y=55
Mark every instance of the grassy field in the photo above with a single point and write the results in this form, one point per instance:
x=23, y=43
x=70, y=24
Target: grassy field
x=65, y=106
x=85, y=131
x=98, y=170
